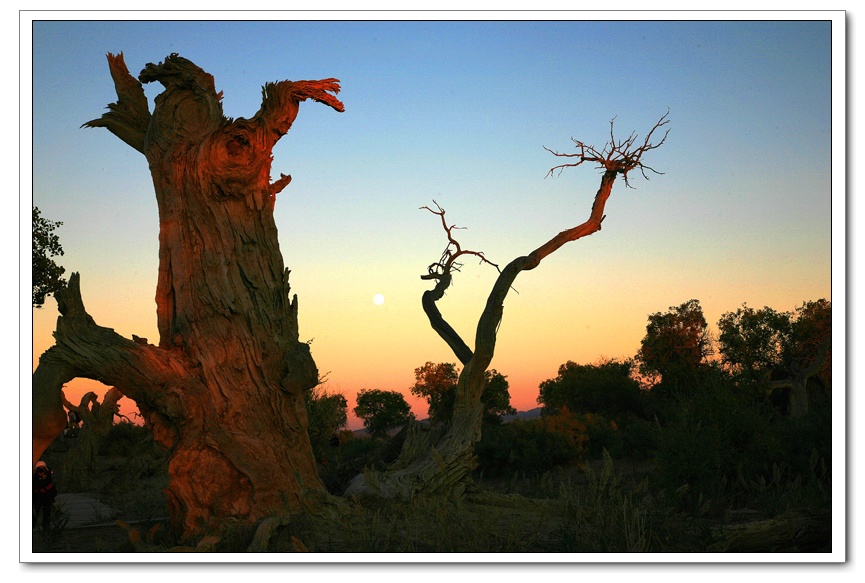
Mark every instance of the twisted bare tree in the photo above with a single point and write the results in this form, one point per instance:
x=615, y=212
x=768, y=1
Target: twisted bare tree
x=431, y=463
x=224, y=387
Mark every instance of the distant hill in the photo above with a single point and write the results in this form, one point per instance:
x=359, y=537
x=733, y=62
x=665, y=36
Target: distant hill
x=522, y=415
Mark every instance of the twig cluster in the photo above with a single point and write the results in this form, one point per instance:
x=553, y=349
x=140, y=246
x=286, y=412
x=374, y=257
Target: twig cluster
x=617, y=156
x=448, y=261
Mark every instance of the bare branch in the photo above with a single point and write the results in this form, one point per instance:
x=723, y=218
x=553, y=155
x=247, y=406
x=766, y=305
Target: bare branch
x=618, y=156
x=447, y=263
x=441, y=272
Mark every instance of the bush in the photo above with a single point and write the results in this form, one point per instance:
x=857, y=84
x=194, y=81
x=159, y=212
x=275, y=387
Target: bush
x=715, y=441
x=606, y=388
x=327, y=414
x=604, y=434
x=529, y=447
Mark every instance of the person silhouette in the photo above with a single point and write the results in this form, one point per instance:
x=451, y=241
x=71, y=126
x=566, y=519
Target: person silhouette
x=44, y=493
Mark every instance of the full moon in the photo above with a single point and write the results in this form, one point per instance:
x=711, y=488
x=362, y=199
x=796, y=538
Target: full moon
x=378, y=299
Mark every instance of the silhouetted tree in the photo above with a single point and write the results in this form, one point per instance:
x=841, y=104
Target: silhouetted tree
x=382, y=411
x=496, y=397
x=328, y=413
x=606, y=388
x=437, y=383
x=676, y=345
x=224, y=388
x=754, y=343
x=46, y=245
x=431, y=463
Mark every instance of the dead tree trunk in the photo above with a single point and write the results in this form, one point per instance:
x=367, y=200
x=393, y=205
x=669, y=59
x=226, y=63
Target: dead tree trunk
x=798, y=383
x=79, y=465
x=444, y=465
x=224, y=388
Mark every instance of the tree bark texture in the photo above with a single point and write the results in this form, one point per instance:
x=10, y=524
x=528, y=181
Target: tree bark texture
x=223, y=390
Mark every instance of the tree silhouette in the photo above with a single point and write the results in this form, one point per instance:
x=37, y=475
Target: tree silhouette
x=677, y=343
x=433, y=463
x=224, y=388
x=47, y=275
x=382, y=411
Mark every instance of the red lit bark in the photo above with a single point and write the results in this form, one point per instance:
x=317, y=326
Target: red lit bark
x=224, y=387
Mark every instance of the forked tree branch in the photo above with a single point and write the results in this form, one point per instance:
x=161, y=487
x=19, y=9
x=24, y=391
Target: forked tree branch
x=617, y=157
x=442, y=273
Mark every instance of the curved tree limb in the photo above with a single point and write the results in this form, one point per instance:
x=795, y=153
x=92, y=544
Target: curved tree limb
x=442, y=273
x=84, y=349
x=280, y=102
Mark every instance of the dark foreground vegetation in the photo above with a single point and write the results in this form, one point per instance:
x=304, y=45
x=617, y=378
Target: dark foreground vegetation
x=715, y=468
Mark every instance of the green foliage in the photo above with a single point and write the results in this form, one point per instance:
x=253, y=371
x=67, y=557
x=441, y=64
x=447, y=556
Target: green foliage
x=46, y=273
x=769, y=344
x=713, y=439
x=753, y=342
x=676, y=343
x=382, y=411
x=539, y=445
x=639, y=437
x=437, y=383
x=606, y=388
x=327, y=414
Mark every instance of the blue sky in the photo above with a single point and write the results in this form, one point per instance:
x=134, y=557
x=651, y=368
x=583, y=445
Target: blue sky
x=460, y=112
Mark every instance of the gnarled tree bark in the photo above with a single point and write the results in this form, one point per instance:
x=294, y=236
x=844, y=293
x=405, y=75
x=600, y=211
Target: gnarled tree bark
x=444, y=467
x=223, y=390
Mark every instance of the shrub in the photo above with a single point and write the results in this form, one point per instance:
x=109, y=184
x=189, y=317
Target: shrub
x=606, y=388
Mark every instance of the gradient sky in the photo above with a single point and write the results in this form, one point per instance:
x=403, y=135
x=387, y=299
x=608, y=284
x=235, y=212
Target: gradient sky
x=460, y=112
